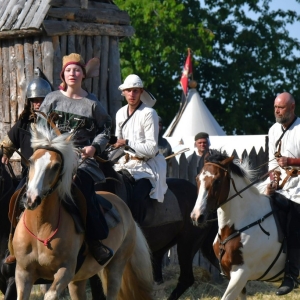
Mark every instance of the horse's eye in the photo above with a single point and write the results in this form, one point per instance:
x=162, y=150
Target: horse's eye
x=217, y=182
x=56, y=167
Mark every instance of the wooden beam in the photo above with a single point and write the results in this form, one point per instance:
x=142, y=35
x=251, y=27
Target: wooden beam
x=104, y=71
x=11, y=34
x=47, y=54
x=114, y=78
x=6, y=11
x=13, y=15
x=28, y=53
x=65, y=3
x=96, y=53
x=1, y=90
x=21, y=80
x=23, y=15
x=37, y=54
x=53, y=27
x=95, y=15
x=40, y=14
x=88, y=56
x=57, y=59
x=5, y=83
x=13, y=82
x=77, y=3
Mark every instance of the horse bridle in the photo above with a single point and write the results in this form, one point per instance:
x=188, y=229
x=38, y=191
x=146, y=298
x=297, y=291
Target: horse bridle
x=58, y=177
x=227, y=175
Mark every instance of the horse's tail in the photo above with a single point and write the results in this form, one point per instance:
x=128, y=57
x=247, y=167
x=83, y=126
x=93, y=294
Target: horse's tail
x=138, y=270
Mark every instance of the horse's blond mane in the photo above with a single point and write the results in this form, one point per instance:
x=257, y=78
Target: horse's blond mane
x=41, y=135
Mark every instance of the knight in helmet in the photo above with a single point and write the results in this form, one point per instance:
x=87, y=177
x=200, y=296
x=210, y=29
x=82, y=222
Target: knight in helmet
x=18, y=136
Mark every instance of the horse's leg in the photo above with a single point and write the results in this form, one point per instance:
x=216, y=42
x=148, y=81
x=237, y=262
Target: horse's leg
x=77, y=290
x=96, y=288
x=11, y=291
x=113, y=277
x=61, y=280
x=24, y=283
x=185, y=254
x=236, y=286
x=157, y=258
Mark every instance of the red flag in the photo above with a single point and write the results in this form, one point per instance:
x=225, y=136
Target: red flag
x=187, y=70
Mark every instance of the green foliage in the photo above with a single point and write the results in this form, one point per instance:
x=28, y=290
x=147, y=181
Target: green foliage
x=243, y=56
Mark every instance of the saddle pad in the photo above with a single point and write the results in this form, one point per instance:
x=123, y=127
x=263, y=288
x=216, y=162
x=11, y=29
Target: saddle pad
x=159, y=214
x=111, y=215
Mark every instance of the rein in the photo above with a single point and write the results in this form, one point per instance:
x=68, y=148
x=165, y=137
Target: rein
x=238, y=193
x=46, y=242
x=55, y=184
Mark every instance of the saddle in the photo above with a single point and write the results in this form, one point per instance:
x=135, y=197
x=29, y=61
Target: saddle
x=156, y=213
x=76, y=208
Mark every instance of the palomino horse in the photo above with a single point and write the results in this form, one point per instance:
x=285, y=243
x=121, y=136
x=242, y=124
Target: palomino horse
x=46, y=243
x=161, y=237
x=247, y=243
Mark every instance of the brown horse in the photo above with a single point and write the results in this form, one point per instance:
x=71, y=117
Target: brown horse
x=46, y=243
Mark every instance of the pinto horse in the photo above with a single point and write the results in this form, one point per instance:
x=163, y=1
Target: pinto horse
x=46, y=243
x=188, y=238
x=247, y=243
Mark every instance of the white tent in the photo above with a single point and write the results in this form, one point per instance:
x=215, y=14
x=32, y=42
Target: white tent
x=195, y=118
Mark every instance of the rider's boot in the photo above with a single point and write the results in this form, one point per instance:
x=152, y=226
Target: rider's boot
x=100, y=252
x=291, y=272
x=10, y=259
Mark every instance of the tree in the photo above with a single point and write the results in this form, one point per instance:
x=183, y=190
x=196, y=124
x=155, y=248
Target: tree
x=241, y=60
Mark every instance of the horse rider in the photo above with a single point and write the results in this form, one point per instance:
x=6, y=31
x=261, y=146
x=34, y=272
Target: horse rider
x=196, y=160
x=75, y=110
x=18, y=137
x=137, y=130
x=284, y=144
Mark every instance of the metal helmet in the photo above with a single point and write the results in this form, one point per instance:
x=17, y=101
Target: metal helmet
x=38, y=87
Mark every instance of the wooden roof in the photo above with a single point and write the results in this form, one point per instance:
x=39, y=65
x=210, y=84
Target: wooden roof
x=21, y=18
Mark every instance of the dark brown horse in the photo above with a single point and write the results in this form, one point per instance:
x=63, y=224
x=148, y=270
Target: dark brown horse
x=161, y=238
x=7, y=188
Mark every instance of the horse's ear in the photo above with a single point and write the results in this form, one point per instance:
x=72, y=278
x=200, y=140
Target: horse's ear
x=227, y=161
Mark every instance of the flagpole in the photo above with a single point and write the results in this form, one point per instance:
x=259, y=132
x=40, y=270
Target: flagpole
x=187, y=70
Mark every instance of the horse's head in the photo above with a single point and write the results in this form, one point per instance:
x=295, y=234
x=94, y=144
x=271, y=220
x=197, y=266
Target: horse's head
x=50, y=167
x=213, y=184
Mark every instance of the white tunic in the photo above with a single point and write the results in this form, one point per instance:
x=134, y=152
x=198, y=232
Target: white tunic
x=290, y=147
x=141, y=131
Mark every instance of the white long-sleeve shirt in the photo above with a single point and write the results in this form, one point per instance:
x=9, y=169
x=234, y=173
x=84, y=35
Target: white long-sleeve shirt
x=290, y=147
x=141, y=131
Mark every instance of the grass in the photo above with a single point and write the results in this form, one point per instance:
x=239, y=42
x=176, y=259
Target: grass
x=203, y=288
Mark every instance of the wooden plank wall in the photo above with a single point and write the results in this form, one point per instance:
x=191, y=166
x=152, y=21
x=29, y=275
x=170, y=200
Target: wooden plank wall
x=19, y=58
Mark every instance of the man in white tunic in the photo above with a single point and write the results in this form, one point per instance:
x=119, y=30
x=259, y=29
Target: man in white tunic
x=137, y=128
x=284, y=141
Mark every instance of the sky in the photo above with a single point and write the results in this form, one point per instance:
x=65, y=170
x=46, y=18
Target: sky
x=289, y=5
